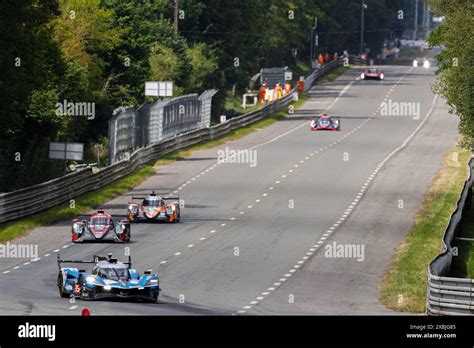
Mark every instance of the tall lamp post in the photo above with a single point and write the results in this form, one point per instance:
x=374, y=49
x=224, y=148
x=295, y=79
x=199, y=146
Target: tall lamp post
x=363, y=7
x=312, y=43
x=176, y=14
x=415, y=31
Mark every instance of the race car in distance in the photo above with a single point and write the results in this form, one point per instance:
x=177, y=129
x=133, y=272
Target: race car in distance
x=154, y=208
x=325, y=122
x=372, y=73
x=109, y=278
x=426, y=63
x=100, y=227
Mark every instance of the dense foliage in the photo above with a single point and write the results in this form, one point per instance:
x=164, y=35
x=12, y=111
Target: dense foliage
x=456, y=61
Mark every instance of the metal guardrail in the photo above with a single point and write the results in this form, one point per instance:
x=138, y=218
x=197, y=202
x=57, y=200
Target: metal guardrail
x=446, y=295
x=38, y=198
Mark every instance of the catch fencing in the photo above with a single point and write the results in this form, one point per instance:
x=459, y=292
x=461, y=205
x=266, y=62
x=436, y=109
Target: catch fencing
x=38, y=198
x=447, y=295
x=151, y=123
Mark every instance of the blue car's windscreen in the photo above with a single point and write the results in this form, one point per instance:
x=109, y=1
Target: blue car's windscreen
x=114, y=273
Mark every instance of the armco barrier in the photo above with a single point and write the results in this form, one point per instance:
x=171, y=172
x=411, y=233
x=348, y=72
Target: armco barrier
x=37, y=198
x=446, y=295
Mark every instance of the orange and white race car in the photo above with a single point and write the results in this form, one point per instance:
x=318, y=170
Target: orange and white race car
x=154, y=208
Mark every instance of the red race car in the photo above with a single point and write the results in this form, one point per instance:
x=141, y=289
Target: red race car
x=326, y=122
x=100, y=227
x=372, y=73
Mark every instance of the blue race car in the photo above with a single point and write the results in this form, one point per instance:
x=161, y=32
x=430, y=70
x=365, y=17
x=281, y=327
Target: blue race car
x=109, y=278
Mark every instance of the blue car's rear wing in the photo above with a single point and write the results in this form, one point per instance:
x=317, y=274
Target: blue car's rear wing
x=96, y=259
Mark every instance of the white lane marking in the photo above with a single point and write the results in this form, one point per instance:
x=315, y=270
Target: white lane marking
x=16, y=267
x=213, y=231
x=241, y=312
x=254, y=302
x=190, y=245
x=46, y=255
x=265, y=293
x=222, y=225
x=177, y=253
x=26, y=263
x=202, y=238
x=64, y=247
x=163, y=262
x=247, y=307
x=73, y=307
x=5, y=272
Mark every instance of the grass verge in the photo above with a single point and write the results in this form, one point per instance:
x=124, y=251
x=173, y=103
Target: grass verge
x=333, y=74
x=404, y=287
x=235, y=102
x=95, y=199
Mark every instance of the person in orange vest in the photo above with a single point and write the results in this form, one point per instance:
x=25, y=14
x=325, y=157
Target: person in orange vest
x=262, y=92
x=279, y=90
x=287, y=87
x=335, y=56
x=326, y=57
x=320, y=59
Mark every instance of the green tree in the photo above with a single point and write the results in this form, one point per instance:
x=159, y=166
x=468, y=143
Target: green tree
x=456, y=69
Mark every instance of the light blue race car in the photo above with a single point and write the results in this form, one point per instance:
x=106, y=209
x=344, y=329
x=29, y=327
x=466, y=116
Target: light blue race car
x=109, y=278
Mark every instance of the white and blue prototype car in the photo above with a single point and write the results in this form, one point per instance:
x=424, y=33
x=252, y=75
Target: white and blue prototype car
x=109, y=278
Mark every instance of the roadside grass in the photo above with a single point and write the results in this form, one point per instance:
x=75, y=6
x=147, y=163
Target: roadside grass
x=93, y=200
x=300, y=68
x=235, y=102
x=332, y=75
x=404, y=287
x=463, y=264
